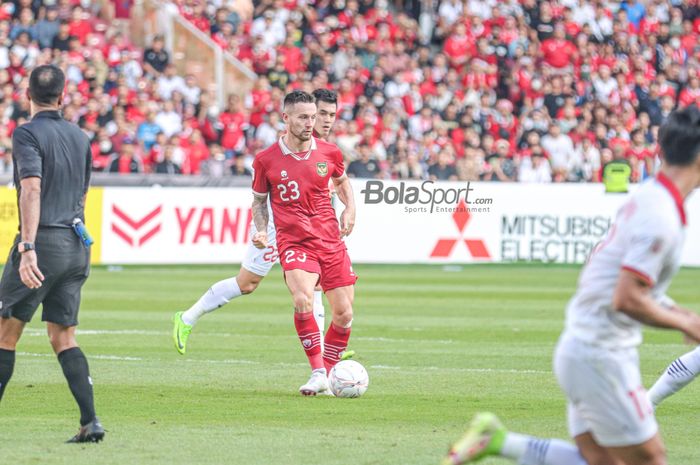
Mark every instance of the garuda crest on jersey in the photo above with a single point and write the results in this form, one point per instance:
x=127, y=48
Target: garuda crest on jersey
x=322, y=168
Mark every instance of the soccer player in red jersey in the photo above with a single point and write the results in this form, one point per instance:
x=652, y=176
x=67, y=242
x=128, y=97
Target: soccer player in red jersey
x=257, y=263
x=294, y=173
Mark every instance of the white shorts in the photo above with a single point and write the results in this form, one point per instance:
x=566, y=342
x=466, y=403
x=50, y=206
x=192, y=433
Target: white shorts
x=261, y=261
x=605, y=393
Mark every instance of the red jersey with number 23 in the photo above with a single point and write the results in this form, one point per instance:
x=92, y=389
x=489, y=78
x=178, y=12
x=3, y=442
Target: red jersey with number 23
x=297, y=184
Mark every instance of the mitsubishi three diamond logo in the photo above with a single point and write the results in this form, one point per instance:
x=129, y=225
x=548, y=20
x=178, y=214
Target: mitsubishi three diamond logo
x=476, y=247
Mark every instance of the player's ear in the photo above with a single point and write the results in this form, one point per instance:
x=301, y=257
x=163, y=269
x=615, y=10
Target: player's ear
x=285, y=117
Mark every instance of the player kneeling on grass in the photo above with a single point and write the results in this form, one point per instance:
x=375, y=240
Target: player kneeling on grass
x=294, y=173
x=596, y=360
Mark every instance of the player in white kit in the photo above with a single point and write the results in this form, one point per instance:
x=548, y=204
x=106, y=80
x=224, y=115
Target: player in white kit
x=621, y=288
x=257, y=263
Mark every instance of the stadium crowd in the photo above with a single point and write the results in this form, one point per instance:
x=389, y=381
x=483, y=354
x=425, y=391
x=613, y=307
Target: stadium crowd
x=508, y=90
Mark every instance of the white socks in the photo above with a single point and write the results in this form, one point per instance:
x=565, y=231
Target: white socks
x=319, y=313
x=528, y=450
x=218, y=295
x=678, y=374
x=224, y=291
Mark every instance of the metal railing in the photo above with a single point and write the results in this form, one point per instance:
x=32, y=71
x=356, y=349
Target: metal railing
x=192, y=51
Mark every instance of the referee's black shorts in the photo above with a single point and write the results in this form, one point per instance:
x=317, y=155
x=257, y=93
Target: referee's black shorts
x=65, y=264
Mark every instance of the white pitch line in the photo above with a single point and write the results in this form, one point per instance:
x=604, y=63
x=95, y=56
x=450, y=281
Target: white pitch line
x=32, y=332
x=99, y=332
x=285, y=364
x=99, y=357
x=403, y=341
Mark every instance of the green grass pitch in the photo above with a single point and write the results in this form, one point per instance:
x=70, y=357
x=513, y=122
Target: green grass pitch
x=439, y=345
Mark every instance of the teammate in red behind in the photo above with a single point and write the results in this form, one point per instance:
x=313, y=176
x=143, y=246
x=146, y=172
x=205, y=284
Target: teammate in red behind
x=294, y=173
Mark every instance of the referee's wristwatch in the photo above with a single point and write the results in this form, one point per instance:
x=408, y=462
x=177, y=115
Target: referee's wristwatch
x=25, y=247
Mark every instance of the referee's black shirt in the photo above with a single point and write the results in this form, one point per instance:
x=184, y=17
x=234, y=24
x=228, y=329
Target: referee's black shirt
x=58, y=152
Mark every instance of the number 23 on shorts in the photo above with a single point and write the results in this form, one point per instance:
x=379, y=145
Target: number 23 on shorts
x=292, y=256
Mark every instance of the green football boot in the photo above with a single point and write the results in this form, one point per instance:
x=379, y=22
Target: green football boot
x=484, y=437
x=181, y=332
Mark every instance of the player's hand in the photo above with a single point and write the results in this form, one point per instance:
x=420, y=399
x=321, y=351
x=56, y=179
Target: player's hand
x=347, y=222
x=29, y=271
x=260, y=240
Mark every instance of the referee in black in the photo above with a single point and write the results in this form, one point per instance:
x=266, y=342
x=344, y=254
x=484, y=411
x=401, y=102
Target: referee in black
x=48, y=262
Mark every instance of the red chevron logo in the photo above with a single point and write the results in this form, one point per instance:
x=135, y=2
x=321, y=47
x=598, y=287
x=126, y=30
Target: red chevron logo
x=133, y=234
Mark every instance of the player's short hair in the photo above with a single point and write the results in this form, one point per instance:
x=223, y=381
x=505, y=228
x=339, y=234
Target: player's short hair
x=325, y=95
x=297, y=96
x=46, y=84
x=680, y=136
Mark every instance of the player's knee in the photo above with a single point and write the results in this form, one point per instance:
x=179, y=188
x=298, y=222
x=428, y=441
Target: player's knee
x=61, y=340
x=342, y=315
x=654, y=457
x=247, y=282
x=303, y=302
x=9, y=334
x=8, y=341
x=248, y=287
x=650, y=454
x=602, y=458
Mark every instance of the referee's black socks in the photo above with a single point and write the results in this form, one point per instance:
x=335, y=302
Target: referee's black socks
x=7, y=365
x=77, y=373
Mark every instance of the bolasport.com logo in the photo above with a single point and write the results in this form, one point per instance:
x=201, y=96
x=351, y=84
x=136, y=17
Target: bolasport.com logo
x=426, y=198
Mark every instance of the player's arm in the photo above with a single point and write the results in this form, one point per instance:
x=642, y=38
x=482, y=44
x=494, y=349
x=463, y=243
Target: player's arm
x=30, y=211
x=29, y=164
x=344, y=190
x=633, y=297
x=261, y=216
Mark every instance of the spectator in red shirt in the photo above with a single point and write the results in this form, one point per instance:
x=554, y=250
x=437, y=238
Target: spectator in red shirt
x=122, y=8
x=459, y=47
x=128, y=162
x=691, y=93
x=196, y=151
x=292, y=55
x=79, y=26
x=640, y=156
x=233, y=124
x=558, y=52
x=199, y=19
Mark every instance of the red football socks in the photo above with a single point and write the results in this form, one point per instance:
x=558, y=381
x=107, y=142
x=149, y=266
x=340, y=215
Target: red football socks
x=334, y=345
x=310, y=338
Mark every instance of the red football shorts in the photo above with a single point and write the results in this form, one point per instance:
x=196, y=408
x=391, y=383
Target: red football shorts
x=333, y=267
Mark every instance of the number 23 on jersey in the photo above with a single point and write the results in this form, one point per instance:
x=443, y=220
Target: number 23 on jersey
x=289, y=191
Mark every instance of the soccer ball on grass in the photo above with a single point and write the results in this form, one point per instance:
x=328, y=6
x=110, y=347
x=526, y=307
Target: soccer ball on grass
x=348, y=378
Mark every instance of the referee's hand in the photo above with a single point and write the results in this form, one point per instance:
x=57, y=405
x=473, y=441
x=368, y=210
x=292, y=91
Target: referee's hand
x=29, y=271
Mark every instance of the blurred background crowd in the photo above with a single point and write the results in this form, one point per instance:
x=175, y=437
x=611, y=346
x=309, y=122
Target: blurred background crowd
x=507, y=90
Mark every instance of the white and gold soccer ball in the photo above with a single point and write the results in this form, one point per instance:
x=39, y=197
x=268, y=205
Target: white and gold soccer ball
x=348, y=378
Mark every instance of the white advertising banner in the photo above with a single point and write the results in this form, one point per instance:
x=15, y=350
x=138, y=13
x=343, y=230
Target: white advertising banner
x=397, y=222
x=425, y=222
x=175, y=225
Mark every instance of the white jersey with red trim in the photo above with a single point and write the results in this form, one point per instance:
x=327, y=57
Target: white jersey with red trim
x=647, y=239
